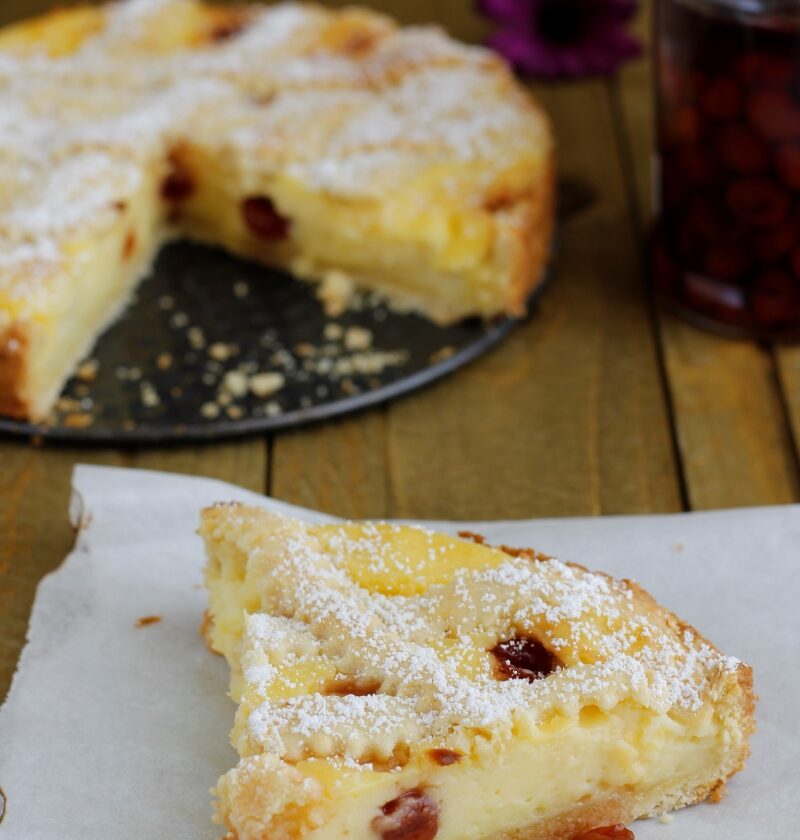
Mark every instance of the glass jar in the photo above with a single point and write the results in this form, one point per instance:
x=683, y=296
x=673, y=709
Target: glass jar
x=726, y=248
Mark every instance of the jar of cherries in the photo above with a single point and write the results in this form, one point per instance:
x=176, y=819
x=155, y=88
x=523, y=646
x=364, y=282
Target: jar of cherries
x=726, y=249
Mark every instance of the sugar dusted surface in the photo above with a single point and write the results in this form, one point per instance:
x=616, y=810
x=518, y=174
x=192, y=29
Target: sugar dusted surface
x=612, y=642
x=78, y=130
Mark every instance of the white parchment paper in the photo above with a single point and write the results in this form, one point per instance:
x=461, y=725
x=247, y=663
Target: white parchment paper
x=116, y=733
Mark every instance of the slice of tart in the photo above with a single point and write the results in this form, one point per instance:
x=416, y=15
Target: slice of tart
x=398, y=684
x=335, y=144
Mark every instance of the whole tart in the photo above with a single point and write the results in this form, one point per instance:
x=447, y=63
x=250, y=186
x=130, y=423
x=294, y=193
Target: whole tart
x=335, y=144
x=399, y=684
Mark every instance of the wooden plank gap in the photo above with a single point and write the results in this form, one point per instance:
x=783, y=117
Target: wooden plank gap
x=788, y=390
x=269, y=473
x=625, y=150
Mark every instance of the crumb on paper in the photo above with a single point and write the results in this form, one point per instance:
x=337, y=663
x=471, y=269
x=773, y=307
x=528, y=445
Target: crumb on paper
x=241, y=289
x=166, y=302
x=678, y=548
x=164, y=361
x=266, y=384
x=87, y=517
x=473, y=537
x=147, y=620
x=87, y=370
x=235, y=412
x=666, y=819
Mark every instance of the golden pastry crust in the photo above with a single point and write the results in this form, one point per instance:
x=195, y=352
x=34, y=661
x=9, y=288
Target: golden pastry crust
x=358, y=650
x=13, y=366
x=529, y=233
x=331, y=143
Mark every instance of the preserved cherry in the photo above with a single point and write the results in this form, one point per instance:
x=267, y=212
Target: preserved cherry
x=741, y=150
x=178, y=184
x=524, y=658
x=263, y=219
x=615, y=832
x=727, y=241
x=444, y=757
x=411, y=816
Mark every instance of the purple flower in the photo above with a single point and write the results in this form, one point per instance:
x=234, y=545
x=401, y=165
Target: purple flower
x=556, y=38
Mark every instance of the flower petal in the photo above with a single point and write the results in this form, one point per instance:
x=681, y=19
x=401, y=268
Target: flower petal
x=600, y=43
x=515, y=12
x=521, y=52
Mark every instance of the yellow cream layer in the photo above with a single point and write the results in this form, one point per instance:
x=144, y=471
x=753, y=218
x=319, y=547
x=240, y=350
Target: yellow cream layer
x=407, y=567
x=537, y=773
x=100, y=274
x=423, y=247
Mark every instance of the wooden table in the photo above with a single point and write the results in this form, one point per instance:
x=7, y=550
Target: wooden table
x=600, y=404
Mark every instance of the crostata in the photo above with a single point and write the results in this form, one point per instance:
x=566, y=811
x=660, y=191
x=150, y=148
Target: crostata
x=334, y=144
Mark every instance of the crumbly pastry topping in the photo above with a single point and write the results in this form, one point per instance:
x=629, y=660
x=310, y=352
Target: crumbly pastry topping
x=364, y=640
x=342, y=102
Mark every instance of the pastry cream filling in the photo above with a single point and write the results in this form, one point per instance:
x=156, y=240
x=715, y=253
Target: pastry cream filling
x=102, y=270
x=499, y=784
x=414, y=247
x=538, y=772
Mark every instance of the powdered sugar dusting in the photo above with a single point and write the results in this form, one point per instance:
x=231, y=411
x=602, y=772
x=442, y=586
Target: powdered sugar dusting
x=428, y=653
x=287, y=94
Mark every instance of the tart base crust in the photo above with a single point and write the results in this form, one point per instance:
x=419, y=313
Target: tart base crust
x=14, y=357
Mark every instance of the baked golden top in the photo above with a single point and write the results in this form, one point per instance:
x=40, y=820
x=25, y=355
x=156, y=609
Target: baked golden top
x=361, y=640
x=345, y=102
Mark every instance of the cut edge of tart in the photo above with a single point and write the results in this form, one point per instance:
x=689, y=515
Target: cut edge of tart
x=400, y=684
x=335, y=144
